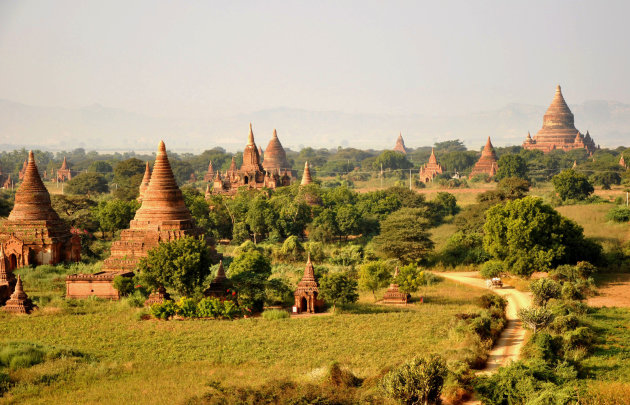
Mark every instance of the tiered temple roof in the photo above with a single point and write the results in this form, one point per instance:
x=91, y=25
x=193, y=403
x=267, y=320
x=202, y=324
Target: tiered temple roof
x=209, y=176
x=307, y=292
x=487, y=163
x=64, y=173
x=33, y=233
x=19, y=302
x=275, y=156
x=558, y=130
x=431, y=169
x=400, y=145
x=145, y=182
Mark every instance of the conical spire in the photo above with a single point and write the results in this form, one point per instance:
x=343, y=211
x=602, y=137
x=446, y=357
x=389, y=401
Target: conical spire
x=6, y=276
x=251, y=158
x=32, y=201
x=145, y=182
x=220, y=273
x=558, y=114
x=488, y=149
x=432, y=158
x=250, y=137
x=162, y=200
x=309, y=271
x=64, y=165
x=19, y=302
x=275, y=155
x=622, y=162
x=306, y=176
x=400, y=144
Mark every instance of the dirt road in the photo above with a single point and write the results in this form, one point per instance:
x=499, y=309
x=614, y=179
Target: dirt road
x=509, y=345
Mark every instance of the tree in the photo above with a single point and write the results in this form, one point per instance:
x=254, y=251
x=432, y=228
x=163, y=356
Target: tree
x=535, y=317
x=511, y=166
x=100, y=166
x=127, y=177
x=529, y=235
x=411, y=278
x=250, y=272
x=419, y=381
x=374, y=275
x=259, y=217
x=571, y=185
x=392, y=160
x=544, y=289
x=513, y=187
x=77, y=210
x=348, y=220
x=182, y=264
x=444, y=204
x=404, y=236
x=114, y=215
x=338, y=288
x=87, y=183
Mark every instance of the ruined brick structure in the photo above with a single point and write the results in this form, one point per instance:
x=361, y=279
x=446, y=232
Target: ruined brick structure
x=209, y=176
x=22, y=170
x=251, y=174
x=162, y=217
x=7, y=279
x=558, y=130
x=218, y=287
x=622, y=162
x=33, y=233
x=64, y=174
x=307, y=292
x=400, y=145
x=19, y=303
x=431, y=169
x=487, y=163
x=393, y=295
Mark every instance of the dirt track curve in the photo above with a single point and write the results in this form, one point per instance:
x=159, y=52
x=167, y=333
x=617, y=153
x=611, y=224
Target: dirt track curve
x=509, y=345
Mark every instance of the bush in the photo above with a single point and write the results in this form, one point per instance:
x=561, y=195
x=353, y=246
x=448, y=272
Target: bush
x=273, y=314
x=124, y=285
x=544, y=289
x=542, y=346
x=492, y=268
x=316, y=250
x=418, y=381
x=186, y=307
x=619, y=214
x=492, y=301
x=164, y=310
x=580, y=338
x=215, y=308
x=463, y=248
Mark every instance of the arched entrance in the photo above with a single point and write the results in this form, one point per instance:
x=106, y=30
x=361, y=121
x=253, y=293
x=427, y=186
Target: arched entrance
x=13, y=263
x=246, y=180
x=303, y=305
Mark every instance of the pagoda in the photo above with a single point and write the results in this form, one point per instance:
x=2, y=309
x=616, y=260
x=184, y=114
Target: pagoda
x=145, y=182
x=275, y=160
x=622, y=162
x=64, y=174
x=400, y=145
x=33, y=233
x=162, y=217
x=487, y=163
x=219, y=285
x=306, y=176
x=558, y=131
x=19, y=303
x=431, y=169
x=22, y=170
x=157, y=297
x=8, y=183
x=209, y=176
x=307, y=292
x=7, y=279
x=393, y=295
x=251, y=175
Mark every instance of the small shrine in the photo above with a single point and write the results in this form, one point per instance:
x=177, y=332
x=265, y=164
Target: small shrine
x=487, y=163
x=209, y=176
x=7, y=279
x=307, y=292
x=393, y=295
x=157, y=297
x=63, y=173
x=400, y=145
x=218, y=287
x=19, y=303
x=431, y=169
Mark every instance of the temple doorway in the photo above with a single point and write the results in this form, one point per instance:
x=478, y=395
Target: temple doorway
x=303, y=305
x=12, y=261
x=245, y=179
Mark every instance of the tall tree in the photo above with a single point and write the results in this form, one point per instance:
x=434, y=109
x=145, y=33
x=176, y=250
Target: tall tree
x=571, y=185
x=404, y=236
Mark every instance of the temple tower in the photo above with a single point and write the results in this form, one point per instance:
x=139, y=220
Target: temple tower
x=64, y=174
x=393, y=294
x=306, y=176
x=307, y=292
x=218, y=286
x=19, y=303
x=400, y=145
x=487, y=163
x=209, y=176
x=431, y=169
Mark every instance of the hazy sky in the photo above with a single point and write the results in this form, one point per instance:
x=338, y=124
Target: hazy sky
x=195, y=59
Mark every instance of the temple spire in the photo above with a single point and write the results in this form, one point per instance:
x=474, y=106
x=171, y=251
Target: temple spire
x=306, y=176
x=250, y=138
x=32, y=200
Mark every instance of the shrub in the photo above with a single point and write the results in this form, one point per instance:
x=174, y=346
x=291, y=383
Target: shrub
x=580, y=338
x=340, y=377
x=124, y=285
x=564, y=323
x=544, y=289
x=619, y=214
x=273, y=314
x=492, y=268
x=316, y=250
x=292, y=249
x=215, y=308
x=464, y=248
x=418, y=381
x=164, y=310
x=492, y=301
x=535, y=318
x=542, y=346
x=186, y=307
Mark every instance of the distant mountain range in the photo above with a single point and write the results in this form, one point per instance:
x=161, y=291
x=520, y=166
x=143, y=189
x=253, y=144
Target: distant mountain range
x=110, y=129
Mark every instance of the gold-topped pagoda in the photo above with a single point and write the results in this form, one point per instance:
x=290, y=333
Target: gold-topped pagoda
x=558, y=131
x=487, y=163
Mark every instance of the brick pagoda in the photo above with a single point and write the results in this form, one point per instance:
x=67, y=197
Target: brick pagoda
x=33, y=233
x=7, y=279
x=487, y=163
x=64, y=174
x=19, y=303
x=400, y=145
x=393, y=295
x=218, y=287
x=162, y=217
x=275, y=160
x=622, y=162
x=251, y=174
x=431, y=169
x=144, y=184
x=209, y=176
x=306, y=176
x=306, y=294
x=558, y=130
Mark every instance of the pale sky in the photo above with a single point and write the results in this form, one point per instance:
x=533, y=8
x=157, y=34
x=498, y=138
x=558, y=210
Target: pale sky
x=190, y=59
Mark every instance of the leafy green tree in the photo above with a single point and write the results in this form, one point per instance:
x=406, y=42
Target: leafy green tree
x=259, y=217
x=571, y=185
x=444, y=204
x=544, y=289
x=411, y=277
x=100, y=166
x=418, y=381
x=87, y=183
x=114, y=215
x=182, y=264
x=124, y=285
x=348, y=220
x=77, y=210
x=338, y=288
x=404, y=236
x=181, y=170
x=535, y=318
x=250, y=272
x=513, y=187
x=392, y=160
x=512, y=166
x=529, y=235
x=127, y=178
x=374, y=275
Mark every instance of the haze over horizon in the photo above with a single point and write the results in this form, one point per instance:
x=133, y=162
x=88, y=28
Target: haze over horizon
x=122, y=75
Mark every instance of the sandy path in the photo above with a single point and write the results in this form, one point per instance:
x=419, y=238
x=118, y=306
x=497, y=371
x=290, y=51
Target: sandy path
x=509, y=345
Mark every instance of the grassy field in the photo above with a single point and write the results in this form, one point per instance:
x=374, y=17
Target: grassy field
x=592, y=218
x=131, y=360
x=611, y=358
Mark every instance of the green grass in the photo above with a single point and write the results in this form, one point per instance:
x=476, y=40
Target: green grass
x=610, y=360
x=166, y=362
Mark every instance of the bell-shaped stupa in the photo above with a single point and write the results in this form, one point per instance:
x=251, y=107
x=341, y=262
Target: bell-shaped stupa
x=487, y=163
x=306, y=176
x=275, y=156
